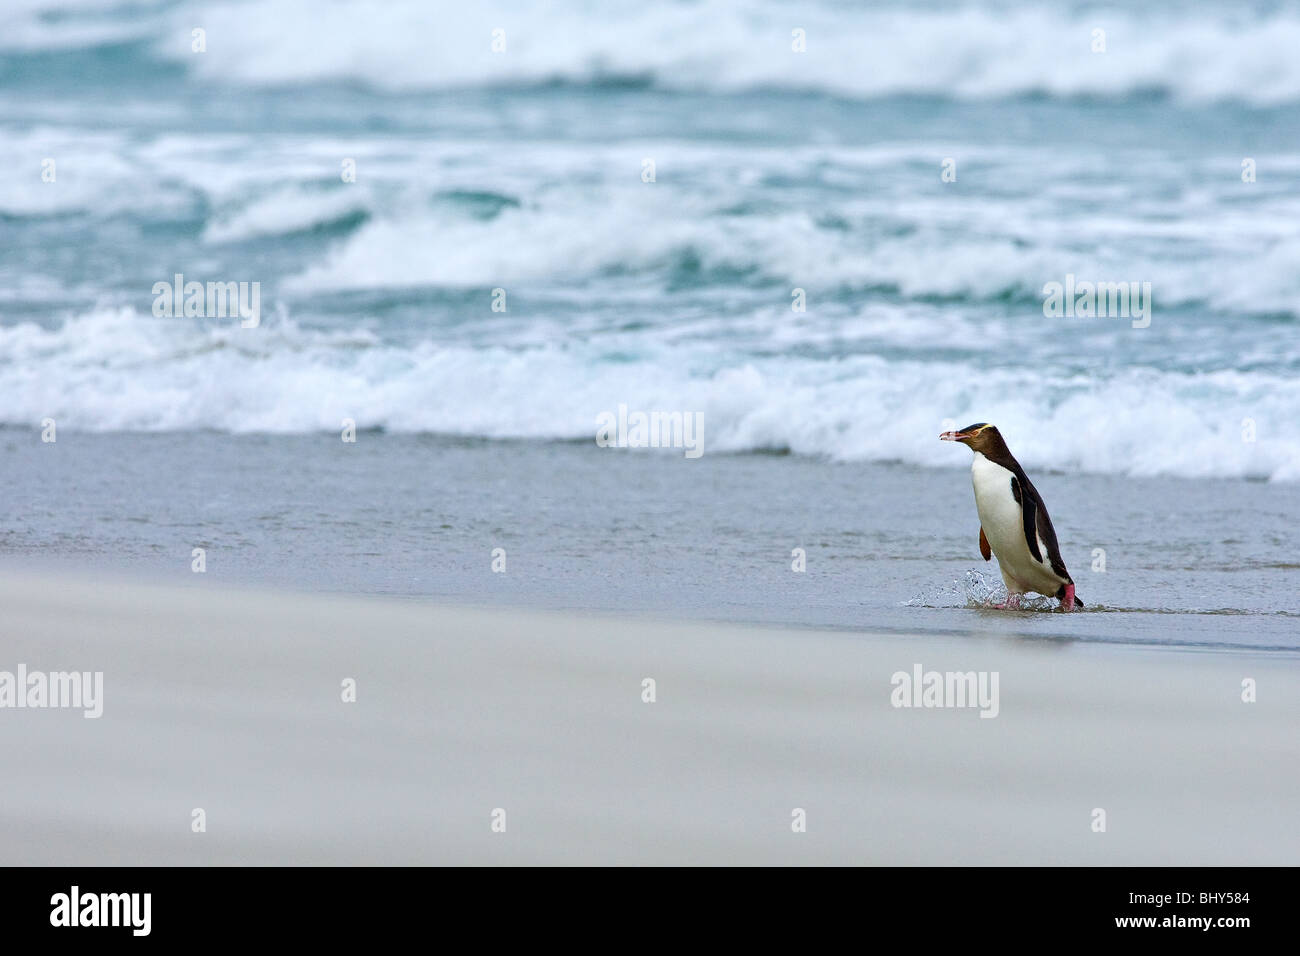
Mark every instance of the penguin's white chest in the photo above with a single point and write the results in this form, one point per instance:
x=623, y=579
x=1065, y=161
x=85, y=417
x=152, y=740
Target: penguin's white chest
x=1003, y=522
x=1000, y=514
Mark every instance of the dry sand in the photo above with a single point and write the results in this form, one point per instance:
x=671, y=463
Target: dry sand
x=231, y=702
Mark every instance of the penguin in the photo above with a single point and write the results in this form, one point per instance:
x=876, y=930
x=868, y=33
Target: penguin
x=1014, y=523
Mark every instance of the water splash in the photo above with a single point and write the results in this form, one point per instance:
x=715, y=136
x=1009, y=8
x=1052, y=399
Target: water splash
x=978, y=590
x=982, y=590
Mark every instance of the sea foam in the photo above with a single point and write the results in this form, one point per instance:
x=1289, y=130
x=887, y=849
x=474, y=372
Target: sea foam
x=122, y=370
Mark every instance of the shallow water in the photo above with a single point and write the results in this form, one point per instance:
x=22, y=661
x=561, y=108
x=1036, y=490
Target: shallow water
x=1202, y=563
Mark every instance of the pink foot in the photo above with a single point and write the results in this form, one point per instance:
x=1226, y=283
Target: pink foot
x=1067, y=602
x=1012, y=603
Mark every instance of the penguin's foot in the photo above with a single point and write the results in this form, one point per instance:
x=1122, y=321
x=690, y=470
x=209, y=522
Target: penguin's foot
x=1067, y=602
x=1012, y=603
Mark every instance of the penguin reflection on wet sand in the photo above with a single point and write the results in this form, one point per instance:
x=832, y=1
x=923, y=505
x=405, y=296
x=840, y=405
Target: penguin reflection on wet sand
x=1013, y=521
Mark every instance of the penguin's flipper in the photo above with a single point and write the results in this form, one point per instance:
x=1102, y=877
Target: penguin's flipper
x=984, y=546
x=1049, y=538
x=1027, y=498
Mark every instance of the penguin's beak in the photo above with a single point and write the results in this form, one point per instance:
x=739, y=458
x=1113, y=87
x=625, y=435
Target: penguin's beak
x=953, y=436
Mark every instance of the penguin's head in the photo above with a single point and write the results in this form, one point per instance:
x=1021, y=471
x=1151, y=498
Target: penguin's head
x=977, y=437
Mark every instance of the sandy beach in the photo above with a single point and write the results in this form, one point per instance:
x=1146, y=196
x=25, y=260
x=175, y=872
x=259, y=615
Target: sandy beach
x=231, y=701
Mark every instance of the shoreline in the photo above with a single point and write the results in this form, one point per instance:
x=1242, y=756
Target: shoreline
x=1029, y=625
x=586, y=528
